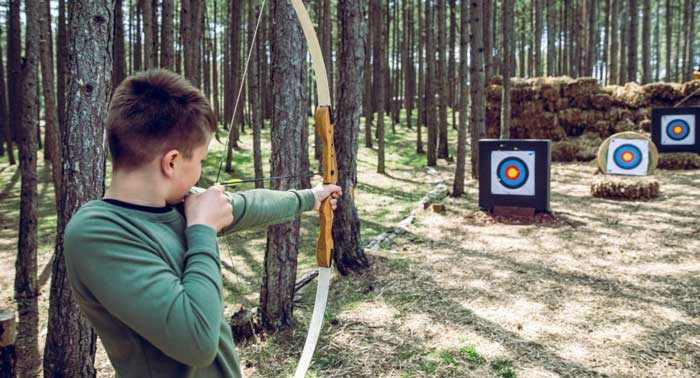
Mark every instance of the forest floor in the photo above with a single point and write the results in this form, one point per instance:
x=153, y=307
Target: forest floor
x=601, y=289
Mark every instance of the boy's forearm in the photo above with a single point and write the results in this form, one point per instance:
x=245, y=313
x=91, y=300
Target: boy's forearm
x=263, y=207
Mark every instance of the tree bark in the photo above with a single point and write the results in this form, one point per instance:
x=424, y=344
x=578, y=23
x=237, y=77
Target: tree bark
x=538, y=37
x=429, y=91
x=166, y=35
x=646, y=41
x=551, y=37
x=624, y=31
x=26, y=290
x=379, y=53
x=442, y=80
x=148, y=37
x=4, y=120
x=348, y=254
x=458, y=186
x=14, y=68
x=477, y=82
x=53, y=134
x=421, y=81
x=368, y=103
x=506, y=67
x=613, y=69
x=254, y=94
x=70, y=343
x=633, y=40
x=288, y=60
x=669, y=41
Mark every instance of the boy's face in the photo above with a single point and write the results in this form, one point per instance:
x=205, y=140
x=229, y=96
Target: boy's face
x=189, y=171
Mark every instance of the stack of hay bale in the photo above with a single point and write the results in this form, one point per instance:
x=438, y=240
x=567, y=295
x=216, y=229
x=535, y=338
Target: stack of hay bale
x=578, y=114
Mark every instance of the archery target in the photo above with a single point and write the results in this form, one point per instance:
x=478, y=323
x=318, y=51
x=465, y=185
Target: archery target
x=513, y=173
x=677, y=129
x=628, y=157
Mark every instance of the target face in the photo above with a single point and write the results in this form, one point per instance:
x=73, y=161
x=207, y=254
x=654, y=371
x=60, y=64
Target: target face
x=628, y=157
x=512, y=172
x=678, y=129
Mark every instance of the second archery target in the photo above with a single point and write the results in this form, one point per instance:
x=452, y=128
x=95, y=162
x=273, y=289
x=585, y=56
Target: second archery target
x=628, y=157
x=514, y=173
x=675, y=129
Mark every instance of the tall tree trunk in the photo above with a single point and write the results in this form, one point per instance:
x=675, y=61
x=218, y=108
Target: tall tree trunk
x=633, y=40
x=53, y=134
x=421, y=81
x=593, y=33
x=166, y=35
x=452, y=96
x=254, y=94
x=186, y=35
x=477, y=82
x=614, y=17
x=669, y=40
x=442, y=80
x=624, y=31
x=26, y=288
x=678, y=52
x=14, y=68
x=538, y=37
x=646, y=41
x=458, y=186
x=138, y=46
x=551, y=37
x=409, y=72
x=119, y=62
x=506, y=66
x=348, y=254
x=148, y=53
x=379, y=54
x=4, y=120
x=486, y=33
x=71, y=342
x=61, y=60
x=279, y=274
x=368, y=103
x=657, y=41
x=429, y=91
x=690, y=38
x=215, y=63
x=606, y=41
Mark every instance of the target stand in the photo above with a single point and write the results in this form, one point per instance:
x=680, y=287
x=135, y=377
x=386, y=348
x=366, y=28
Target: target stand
x=514, y=175
x=675, y=129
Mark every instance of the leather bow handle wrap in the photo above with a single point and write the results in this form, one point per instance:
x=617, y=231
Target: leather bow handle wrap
x=324, y=128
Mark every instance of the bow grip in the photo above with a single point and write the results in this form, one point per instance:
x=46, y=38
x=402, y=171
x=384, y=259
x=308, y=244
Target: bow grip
x=324, y=127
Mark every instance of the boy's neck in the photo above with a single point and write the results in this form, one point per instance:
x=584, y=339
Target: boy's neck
x=137, y=187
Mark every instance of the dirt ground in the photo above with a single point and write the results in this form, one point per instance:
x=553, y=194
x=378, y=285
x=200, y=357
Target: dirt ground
x=604, y=289
x=608, y=289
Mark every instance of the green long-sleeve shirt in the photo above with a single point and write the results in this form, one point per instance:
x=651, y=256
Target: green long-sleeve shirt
x=152, y=287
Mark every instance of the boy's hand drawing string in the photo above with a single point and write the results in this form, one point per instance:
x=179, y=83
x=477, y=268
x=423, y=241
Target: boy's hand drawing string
x=324, y=126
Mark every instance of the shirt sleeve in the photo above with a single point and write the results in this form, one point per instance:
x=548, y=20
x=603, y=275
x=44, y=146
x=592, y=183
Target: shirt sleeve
x=263, y=207
x=180, y=315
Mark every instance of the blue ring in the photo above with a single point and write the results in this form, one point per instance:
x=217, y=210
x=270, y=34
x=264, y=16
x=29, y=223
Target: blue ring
x=636, y=152
x=503, y=178
x=674, y=123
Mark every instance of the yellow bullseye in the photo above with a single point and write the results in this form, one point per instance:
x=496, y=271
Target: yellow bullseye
x=627, y=157
x=678, y=130
x=512, y=173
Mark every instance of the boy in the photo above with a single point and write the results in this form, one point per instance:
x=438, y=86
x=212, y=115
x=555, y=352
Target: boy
x=145, y=275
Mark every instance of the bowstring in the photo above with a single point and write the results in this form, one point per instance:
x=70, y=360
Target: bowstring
x=233, y=118
x=240, y=88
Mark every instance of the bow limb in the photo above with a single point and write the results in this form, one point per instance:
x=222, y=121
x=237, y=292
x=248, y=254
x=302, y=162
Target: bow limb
x=324, y=245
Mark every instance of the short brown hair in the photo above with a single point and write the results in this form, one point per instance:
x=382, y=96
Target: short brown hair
x=155, y=111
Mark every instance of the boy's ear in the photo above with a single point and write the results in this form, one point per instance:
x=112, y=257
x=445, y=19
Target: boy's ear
x=169, y=162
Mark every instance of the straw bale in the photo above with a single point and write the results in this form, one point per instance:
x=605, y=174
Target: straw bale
x=625, y=187
x=564, y=151
x=663, y=91
x=679, y=161
x=601, y=101
x=588, y=144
